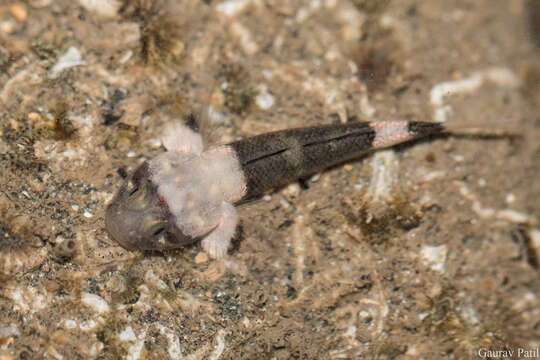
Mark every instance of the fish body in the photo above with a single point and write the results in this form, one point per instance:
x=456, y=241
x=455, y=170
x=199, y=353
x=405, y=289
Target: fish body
x=188, y=194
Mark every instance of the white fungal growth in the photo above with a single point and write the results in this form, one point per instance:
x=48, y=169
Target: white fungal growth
x=180, y=138
x=196, y=186
x=199, y=187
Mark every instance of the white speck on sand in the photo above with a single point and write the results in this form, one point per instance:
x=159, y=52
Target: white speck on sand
x=485, y=212
x=500, y=76
x=95, y=302
x=245, y=37
x=26, y=299
x=220, y=339
x=174, y=350
x=434, y=257
x=70, y=324
x=87, y=325
x=107, y=8
x=384, y=165
x=434, y=175
x=135, y=343
x=232, y=7
x=264, y=100
x=351, y=331
x=514, y=216
x=524, y=301
x=510, y=198
x=470, y=315
x=366, y=107
x=439, y=91
x=127, y=335
x=9, y=331
x=72, y=57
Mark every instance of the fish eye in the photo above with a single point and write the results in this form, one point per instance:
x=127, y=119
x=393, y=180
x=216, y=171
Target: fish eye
x=156, y=229
x=131, y=188
x=137, y=197
x=134, y=188
x=133, y=191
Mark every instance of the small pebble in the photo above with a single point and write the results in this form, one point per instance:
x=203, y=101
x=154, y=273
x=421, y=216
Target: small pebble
x=265, y=100
x=70, y=324
x=19, y=11
x=72, y=57
x=127, y=335
x=434, y=257
x=106, y=8
x=95, y=302
x=232, y=7
x=510, y=198
x=201, y=258
x=34, y=117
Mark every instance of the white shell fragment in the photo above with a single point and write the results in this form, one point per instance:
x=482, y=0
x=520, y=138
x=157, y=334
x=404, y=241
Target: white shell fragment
x=127, y=335
x=434, y=257
x=174, y=349
x=134, y=345
x=265, y=100
x=96, y=302
x=245, y=37
x=384, y=165
x=72, y=57
x=232, y=7
x=9, y=331
x=27, y=299
x=106, y=8
x=500, y=76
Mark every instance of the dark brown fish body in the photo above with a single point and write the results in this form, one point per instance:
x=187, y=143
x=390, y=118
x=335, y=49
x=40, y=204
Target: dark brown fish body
x=275, y=159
